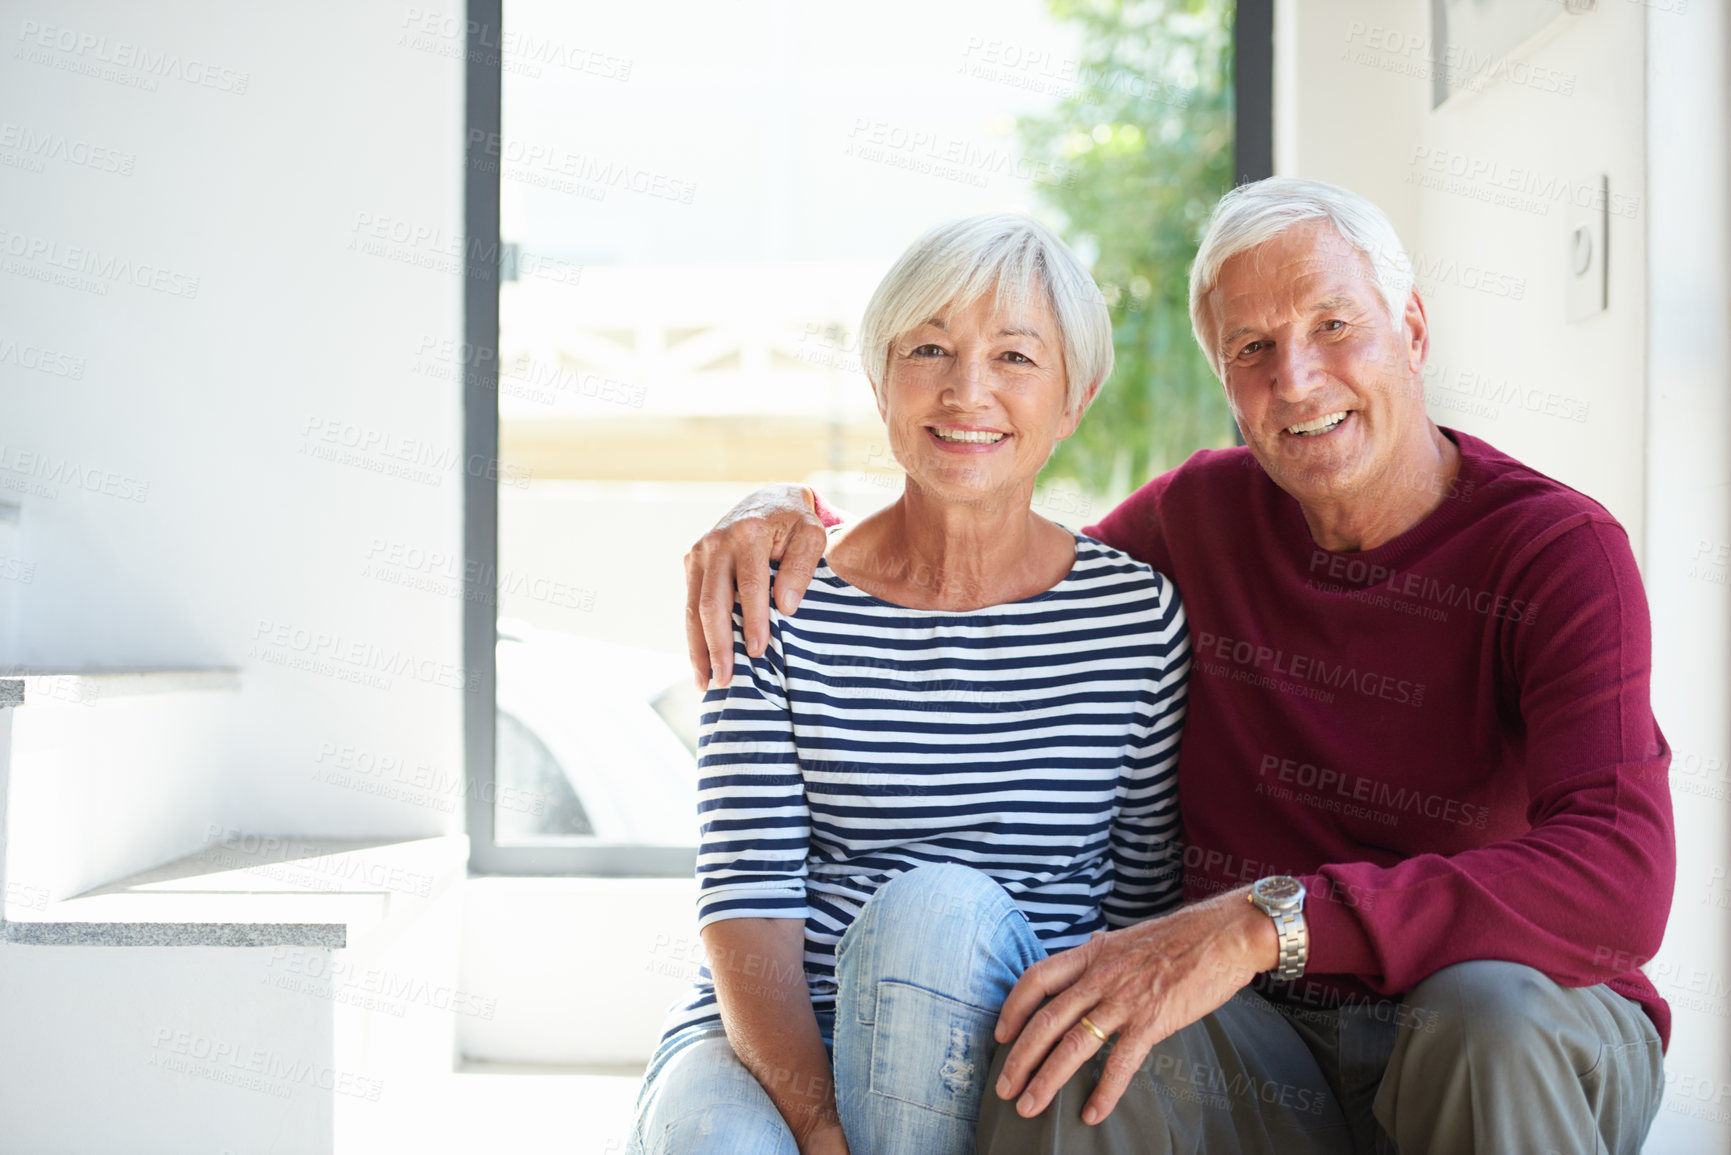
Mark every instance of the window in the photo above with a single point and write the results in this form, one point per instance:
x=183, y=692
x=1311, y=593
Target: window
x=689, y=226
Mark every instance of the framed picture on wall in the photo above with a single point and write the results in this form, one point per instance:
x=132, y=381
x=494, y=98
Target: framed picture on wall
x=1472, y=38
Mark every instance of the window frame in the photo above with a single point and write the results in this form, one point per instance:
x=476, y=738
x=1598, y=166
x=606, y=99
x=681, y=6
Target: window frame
x=483, y=254
x=1253, y=91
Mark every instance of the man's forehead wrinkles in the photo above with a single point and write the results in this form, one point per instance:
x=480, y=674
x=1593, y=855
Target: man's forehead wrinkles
x=1327, y=255
x=1287, y=298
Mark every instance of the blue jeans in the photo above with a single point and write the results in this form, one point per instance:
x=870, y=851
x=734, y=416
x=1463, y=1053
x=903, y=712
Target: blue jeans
x=920, y=976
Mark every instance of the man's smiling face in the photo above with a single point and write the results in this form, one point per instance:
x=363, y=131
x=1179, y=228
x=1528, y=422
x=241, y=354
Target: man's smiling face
x=1327, y=390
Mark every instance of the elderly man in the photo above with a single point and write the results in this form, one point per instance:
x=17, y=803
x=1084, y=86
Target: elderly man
x=1428, y=829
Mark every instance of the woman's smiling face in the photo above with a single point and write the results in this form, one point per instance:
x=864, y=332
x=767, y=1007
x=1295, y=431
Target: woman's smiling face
x=976, y=398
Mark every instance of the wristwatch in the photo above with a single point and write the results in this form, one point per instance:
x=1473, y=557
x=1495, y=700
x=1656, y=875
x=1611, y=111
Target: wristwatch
x=1281, y=897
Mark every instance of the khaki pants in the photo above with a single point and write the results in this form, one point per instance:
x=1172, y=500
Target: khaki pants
x=1480, y=1057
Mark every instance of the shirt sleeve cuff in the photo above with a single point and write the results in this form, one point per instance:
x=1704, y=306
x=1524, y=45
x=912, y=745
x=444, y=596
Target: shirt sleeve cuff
x=723, y=903
x=825, y=513
x=1332, y=915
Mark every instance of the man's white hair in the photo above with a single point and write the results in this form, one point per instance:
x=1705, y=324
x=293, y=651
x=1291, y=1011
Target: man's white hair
x=1005, y=254
x=1255, y=213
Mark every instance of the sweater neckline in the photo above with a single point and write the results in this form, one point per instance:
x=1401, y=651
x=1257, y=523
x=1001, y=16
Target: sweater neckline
x=1437, y=525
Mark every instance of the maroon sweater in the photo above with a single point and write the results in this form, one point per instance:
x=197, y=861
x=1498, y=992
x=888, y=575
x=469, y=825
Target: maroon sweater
x=1447, y=738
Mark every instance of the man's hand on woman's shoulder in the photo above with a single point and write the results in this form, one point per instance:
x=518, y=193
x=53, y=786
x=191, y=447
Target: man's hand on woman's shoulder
x=776, y=523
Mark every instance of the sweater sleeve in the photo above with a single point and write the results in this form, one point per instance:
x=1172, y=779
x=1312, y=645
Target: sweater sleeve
x=826, y=513
x=1133, y=525
x=1147, y=854
x=755, y=826
x=1584, y=894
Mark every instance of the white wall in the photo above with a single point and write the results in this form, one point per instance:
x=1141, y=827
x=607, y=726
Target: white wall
x=163, y=438
x=1689, y=540
x=1536, y=139
x=160, y=1052
x=584, y=969
x=1354, y=107
x=1334, y=121
x=1632, y=403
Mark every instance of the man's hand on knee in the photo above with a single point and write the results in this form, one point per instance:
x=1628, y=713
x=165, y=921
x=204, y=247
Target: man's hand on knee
x=776, y=523
x=1143, y=983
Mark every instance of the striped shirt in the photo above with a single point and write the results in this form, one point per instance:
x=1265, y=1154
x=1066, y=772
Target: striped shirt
x=1036, y=741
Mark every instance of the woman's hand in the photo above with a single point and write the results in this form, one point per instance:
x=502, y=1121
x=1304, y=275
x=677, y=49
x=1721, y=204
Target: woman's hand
x=775, y=523
x=1143, y=983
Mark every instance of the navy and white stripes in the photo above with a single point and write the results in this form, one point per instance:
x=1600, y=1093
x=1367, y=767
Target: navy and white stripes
x=1035, y=741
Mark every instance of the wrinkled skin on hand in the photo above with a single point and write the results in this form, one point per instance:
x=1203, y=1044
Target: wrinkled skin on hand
x=776, y=523
x=1142, y=983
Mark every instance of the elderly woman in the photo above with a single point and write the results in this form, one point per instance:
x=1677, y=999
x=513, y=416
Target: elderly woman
x=975, y=709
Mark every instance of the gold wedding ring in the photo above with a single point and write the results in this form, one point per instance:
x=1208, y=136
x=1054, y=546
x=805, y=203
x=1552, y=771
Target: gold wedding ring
x=1092, y=1029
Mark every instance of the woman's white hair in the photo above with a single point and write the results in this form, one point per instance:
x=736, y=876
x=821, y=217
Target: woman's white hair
x=1255, y=213
x=1005, y=254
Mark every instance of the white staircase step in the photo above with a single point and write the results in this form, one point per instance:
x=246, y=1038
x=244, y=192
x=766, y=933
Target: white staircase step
x=87, y=687
x=254, y=891
x=331, y=1039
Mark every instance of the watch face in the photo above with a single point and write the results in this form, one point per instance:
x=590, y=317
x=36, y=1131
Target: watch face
x=1280, y=889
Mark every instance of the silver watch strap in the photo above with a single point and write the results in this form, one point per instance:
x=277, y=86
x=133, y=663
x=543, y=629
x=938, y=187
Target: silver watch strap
x=1294, y=944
